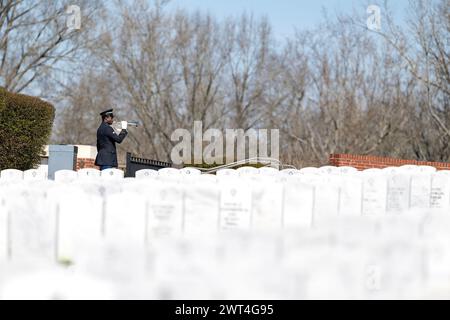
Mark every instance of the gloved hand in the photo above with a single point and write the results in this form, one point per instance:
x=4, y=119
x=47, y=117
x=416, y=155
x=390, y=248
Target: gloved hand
x=124, y=125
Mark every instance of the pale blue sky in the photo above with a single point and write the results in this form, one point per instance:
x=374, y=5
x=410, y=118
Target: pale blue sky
x=285, y=15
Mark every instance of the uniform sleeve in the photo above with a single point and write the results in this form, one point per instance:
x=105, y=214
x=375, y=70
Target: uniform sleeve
x=114, y=137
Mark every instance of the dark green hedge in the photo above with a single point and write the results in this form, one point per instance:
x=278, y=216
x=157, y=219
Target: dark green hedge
x=25, y=127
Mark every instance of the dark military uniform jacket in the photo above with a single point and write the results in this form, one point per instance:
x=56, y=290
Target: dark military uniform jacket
x=106, y=145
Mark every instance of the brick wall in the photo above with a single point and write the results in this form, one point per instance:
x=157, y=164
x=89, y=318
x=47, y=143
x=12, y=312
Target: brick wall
x=368, y=162
x=86, y=163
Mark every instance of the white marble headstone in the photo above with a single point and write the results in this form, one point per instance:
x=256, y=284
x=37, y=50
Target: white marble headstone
x=289, y=172
x=226, y=173
x=298, y=205
x=235, y=205
x=190, y=172
x=440, y=192
x=351, y=195
x=65, y=176
x=146, y=174
x=11, y=175
x=329, y=170
x=393, y=170
x=165, y=210
x=126, y=218
x=207, y=177
x=3, y=228
x=32, y=226
x=427, y=169
x=310, y=170
x=267, y=171
x=112, y=174
x=89, y=173
x=326, y=199
x=374, y=194
x=201, y=208
x=420, y=192
x=311, y=178
x=168, y=172
x=267, y=205
x=443, y=173
x=347, y=170
x=373, y=171
x=409, y=168
x=80, y=216
x=247, y=171
x=34, y=174
x=398, y=193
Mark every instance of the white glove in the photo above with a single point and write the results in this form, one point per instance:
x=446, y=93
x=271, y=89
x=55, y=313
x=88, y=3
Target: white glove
x=124, y=125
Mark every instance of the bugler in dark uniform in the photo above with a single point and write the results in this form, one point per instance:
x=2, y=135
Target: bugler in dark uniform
x=106, y=141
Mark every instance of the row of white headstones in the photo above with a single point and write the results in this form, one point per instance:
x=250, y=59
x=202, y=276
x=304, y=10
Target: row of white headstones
x=63, y=220
x=185, y=202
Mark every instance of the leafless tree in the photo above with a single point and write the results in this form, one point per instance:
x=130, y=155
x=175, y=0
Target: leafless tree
x=336, y=88
x=35, y=41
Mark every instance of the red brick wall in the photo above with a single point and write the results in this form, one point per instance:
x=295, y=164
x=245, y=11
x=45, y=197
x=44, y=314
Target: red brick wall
x=83, y=163
x=368, y=162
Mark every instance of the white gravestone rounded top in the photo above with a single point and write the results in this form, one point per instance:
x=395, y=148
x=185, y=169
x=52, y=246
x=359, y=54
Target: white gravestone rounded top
x=326, y=200
x=190, y=172
x=34, y=174
x=329, y=170
x=88, y=173
x=3, y=228
x=164, y=213
x=235, y=205
x=11, y=175
x=309, y=170
x=420, y=190
x=206, y=177
x=146, y=174
x=289, y=172
x=427, y=169
x=392, y=170
x=79, y=226
x=226, y=172
x=372, y=171
x=398, y=193
x=31, y=224
x=126, y=221
x=247, y=171
x=312, y=179
x=267, y=205
x=440, y=191
x=351, y=192
x=201, y=208
x=374, y=193
x=298, y=205
x=167, y=172
x=65, y=176
x=112, y=174
x=267, y=171
x=409, y=168
x=347, y=170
